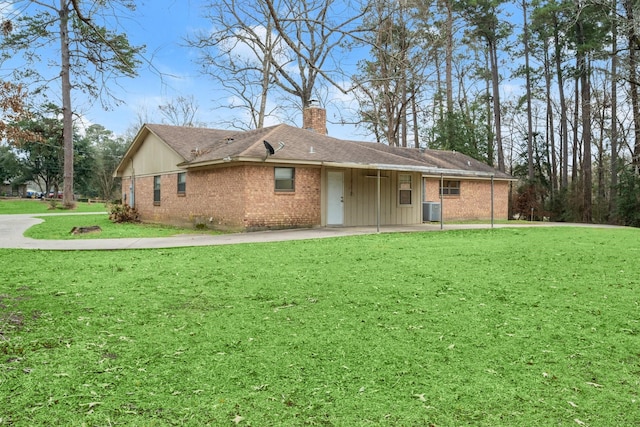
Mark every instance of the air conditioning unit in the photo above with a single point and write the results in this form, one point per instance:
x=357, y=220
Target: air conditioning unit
x=430, y=211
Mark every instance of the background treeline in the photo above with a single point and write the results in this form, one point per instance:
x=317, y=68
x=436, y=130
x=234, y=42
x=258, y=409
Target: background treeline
x=545, y=90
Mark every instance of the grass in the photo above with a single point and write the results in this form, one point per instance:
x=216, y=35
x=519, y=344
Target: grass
x=59, y=228
x=488, y=221
x=34, y=206
x=508, y=327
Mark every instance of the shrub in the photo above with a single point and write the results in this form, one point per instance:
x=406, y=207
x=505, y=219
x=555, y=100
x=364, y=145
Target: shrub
x=629, y=198
x=119, y=213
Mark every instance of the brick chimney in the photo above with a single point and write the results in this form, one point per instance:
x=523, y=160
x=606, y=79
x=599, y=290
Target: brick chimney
x=314, y=119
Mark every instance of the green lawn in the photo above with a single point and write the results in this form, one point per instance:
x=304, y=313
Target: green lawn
x=508, y=327
x=34, y=206
x=59, y=228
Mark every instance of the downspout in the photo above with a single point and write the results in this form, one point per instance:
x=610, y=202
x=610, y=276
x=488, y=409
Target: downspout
x=132, y=186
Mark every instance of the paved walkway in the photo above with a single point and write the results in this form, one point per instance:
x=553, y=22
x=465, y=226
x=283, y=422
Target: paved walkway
x=12, y=228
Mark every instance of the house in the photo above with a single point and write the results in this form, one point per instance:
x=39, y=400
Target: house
x=10, y=189
x=286, y=177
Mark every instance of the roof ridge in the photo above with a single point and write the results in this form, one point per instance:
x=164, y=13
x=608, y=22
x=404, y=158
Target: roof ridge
x=189, y=127
x=374, y=145
x=269, y=131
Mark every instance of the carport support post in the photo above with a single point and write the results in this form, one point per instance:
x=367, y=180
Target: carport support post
x=378, y=203
x=491, y=201
x=441, y=204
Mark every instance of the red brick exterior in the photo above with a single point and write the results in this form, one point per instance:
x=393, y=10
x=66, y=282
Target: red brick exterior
x=474, y=201
x=315, y=119
x=243, y=197
x=237, y=197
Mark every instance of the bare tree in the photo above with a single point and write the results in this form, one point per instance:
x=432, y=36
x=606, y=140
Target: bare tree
x=240, y=54
x=633, y=40
x=314, y=31
x=272, y=57
x=390, y=81
x=180, y=111
x=483, y=18
x=525, y=41
x=613, y=202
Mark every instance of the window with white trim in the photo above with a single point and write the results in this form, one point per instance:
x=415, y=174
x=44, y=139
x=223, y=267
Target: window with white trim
x=284, y=179
x=156, y=190
x=182, y=183
x=450, y=188
x=405, y=189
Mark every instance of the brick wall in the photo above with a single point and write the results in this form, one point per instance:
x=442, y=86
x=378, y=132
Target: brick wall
x=267, y=208
x=244, y=197
x=238, y=197
x=474, y=201
x=315, y=119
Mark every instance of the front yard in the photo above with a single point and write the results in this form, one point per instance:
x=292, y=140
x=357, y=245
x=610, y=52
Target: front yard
x=509, y=327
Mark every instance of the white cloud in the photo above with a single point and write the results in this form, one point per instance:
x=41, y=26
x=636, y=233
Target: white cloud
x=7, y=10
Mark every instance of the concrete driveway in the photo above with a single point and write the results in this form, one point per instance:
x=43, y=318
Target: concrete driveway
x=12, y=228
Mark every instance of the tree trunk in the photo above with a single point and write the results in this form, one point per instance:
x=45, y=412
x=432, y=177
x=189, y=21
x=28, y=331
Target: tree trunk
x=551, y=135
x=266, y=79
x=414, y=110
x=633, y=79
x=613, y=192
x=449, y=55
x=495, y=80
x=67, y=112
x=599, y=143
x=404, y=111
x=490, y=151
x=525, y=35
x=564, y=122
x=576, y=119
x=585, y=94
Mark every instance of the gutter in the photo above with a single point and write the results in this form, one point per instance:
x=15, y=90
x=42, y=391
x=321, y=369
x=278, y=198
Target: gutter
x=427, y=171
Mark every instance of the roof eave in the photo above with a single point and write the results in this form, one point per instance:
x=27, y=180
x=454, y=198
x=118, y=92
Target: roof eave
x=425, y=170
x=135, y=145
x=131, y=151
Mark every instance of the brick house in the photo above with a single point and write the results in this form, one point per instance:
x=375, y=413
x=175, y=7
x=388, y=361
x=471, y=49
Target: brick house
x=287, y=177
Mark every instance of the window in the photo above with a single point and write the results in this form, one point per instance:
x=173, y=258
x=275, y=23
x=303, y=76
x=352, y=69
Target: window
x=156, y=190
x=404, y=189
x=182, y=183
x=450, y=188
x=284, y=178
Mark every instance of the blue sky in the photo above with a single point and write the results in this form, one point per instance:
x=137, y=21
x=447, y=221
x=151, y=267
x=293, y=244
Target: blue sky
x=163, y=25
x=169, y=69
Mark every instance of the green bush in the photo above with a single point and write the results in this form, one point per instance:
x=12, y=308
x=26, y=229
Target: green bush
x=629, y=198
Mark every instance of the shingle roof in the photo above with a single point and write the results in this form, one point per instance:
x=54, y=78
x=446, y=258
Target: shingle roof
x=203, y=146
